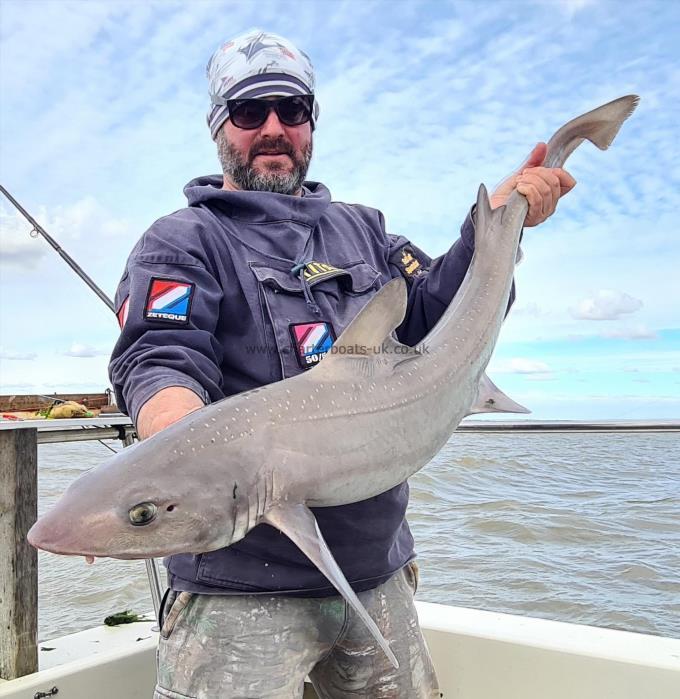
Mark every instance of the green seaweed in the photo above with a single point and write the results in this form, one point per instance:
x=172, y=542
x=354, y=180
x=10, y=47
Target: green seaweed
x=126, y=617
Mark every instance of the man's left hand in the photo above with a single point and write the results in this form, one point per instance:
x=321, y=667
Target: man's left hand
x=542, y=186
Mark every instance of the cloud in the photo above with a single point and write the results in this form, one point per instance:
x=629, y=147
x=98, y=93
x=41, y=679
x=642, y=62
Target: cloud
x=572, y=7
x=18, y=356
x=85, y=219
x=449, y=97
x=639, y=332
x=17, y=387
x=606, y=304
x=520, y=365
x=79, y=350
x=531, y=309
x=18, y=248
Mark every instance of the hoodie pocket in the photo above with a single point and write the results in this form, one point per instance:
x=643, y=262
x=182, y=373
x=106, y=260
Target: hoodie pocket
x=306, y=321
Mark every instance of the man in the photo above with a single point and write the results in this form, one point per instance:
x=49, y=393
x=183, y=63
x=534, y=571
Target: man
x=247, y=285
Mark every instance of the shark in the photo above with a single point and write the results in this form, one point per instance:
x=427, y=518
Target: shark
x=368, y=417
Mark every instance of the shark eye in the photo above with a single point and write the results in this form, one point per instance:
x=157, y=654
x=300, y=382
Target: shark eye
x=143, y=513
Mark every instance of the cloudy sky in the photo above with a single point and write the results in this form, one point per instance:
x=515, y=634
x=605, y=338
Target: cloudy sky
x=103, y=108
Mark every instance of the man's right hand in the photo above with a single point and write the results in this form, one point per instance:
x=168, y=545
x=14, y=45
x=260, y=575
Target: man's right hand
x=165, y=407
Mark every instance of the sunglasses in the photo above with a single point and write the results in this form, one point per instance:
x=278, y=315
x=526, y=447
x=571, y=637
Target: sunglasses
x=252, y=113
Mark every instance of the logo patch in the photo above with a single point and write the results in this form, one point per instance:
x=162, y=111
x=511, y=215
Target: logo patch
x=169, y=300
x=409, y=263
x=317, y=270
x=311, y=342
x=122, y=314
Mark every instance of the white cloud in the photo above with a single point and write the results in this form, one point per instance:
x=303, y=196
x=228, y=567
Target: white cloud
x=530, y=309
x=18, y=247
x=606, y=304
x=449, y=97
x=572, y=7
x=80, y=350
x=19, y=356
x=639, y=332
x=521, y=365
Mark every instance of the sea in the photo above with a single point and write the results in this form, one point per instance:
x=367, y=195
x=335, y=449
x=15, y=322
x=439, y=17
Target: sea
x=576, y=527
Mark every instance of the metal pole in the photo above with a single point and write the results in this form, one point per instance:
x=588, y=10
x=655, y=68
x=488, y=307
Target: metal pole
x=152, y=571
x=69, y=260
x=151, y=563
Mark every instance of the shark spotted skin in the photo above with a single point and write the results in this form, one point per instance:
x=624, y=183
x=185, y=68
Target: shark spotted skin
x=360, y=423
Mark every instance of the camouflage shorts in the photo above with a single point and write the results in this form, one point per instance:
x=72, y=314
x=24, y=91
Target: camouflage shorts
x=263, y=647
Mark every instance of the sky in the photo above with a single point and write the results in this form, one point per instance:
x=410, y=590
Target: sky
x=103, y=122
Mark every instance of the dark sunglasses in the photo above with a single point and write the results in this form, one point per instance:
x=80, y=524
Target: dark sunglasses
x=252, y=113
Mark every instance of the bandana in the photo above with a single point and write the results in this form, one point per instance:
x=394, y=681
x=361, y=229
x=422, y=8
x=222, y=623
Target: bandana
x=256, y=64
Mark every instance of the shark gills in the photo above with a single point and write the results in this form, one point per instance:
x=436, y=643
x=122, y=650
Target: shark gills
x=350, y=429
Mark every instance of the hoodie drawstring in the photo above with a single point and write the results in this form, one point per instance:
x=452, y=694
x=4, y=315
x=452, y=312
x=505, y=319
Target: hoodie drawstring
x=299, y=270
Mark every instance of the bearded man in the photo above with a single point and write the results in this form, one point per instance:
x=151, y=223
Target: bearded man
x=247, y=285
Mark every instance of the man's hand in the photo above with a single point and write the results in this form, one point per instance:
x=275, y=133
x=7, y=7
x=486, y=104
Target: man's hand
x=165, y=407
x=542, y=186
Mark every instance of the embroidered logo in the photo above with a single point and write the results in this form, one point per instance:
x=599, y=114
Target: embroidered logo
x=169, y=300
x=311, y=342
x=122, y=314
x=317, y=270
x=409, y=262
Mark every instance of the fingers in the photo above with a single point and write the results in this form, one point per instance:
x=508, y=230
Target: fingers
x=543, y=188
x=566, y=181
x=89, y=560
x=536, y=157
x=534, y=198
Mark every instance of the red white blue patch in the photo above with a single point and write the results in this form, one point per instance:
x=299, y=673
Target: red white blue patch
x=169, y=301
x=122, y=314
x=311, y=342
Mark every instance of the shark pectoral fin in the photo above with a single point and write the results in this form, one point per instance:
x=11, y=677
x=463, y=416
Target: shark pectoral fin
x=298, y=523
x=490, y=399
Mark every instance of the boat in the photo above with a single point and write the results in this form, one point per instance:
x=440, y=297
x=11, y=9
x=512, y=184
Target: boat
x=477, y=655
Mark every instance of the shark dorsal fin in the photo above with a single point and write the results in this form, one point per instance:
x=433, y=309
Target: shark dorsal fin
x=376, y=320
x=356, y=350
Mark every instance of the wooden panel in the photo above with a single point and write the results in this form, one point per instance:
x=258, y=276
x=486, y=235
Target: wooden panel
x=18, y=560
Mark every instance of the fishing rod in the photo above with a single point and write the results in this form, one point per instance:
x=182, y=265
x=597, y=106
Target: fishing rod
x=151, y=563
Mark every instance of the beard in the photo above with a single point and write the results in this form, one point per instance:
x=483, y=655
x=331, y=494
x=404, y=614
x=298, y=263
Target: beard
x=272, y=179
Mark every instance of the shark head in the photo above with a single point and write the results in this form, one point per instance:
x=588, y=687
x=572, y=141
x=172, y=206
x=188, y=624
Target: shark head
x=143, y=503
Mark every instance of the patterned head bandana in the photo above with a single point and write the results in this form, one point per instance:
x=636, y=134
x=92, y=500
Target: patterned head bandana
x=256, y=64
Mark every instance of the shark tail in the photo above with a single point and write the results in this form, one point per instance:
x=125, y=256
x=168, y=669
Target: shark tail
x=599, y=126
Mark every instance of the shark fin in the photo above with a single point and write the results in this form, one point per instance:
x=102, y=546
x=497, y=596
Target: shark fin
x=375, y=321
x=365, y=345
x=298, y=523
x=484, y=216
x=490, y=399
